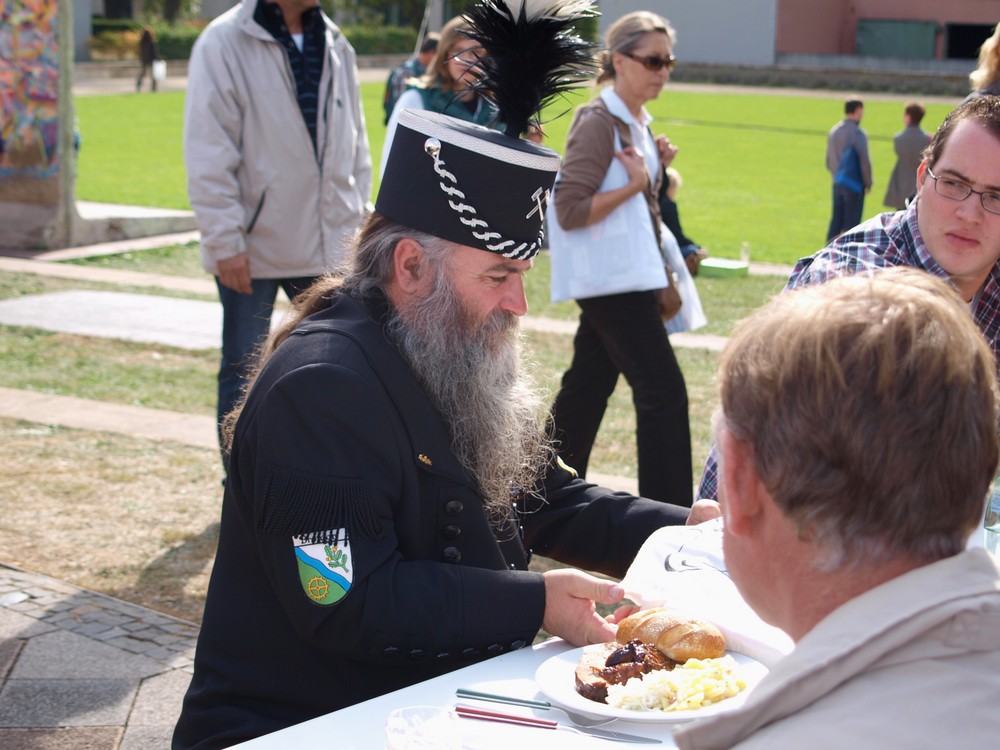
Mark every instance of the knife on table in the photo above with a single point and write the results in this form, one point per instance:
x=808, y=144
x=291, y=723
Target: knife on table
x=476, y=695
x=468, y=712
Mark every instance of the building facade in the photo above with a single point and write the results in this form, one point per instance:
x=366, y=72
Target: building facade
x=769, y=32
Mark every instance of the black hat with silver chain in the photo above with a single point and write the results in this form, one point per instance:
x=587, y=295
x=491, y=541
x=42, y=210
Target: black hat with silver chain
x=480, y=187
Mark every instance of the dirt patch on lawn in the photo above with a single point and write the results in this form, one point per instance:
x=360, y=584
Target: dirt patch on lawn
x=130, y=518
x=135, y=519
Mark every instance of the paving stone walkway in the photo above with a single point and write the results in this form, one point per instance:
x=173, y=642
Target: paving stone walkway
x=84, y=671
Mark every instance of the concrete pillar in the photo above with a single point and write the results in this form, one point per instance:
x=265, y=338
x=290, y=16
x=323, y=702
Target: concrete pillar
x=38, y=165
x=82, y=29
x=64, y=233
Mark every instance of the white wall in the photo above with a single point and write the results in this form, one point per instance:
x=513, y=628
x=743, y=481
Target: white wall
x=212, y=8
x=740, y=32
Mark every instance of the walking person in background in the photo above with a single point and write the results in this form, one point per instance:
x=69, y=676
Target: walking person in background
x=447, y=86
x=414, y=67
x=149, y=52
x=608, y=183
x=985, y=79
x=848, y=162
x=909, y=144
x=277, y=160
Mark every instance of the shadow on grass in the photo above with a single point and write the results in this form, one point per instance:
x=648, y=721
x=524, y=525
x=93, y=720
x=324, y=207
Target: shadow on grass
x=164, y=581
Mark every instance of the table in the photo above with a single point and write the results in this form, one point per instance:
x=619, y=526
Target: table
x=362, y=726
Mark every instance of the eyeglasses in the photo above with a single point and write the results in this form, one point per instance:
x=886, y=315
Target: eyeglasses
x=652, y=62
x=468, y=56
x=959, y=191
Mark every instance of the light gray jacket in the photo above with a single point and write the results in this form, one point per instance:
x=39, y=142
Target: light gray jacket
x=845, y=133
x=254, y=181
x=912, y=663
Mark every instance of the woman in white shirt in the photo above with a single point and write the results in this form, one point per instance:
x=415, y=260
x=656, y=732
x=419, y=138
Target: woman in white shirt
x=607, y=189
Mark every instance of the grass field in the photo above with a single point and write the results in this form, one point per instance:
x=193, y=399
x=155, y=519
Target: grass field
x=753, y=164
x=130, y=150
x=753, y=170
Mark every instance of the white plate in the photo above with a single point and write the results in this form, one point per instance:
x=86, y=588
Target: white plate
x=556, y=678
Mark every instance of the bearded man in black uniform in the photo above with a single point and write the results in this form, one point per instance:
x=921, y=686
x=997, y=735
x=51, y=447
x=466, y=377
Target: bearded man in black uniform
x=390, y=472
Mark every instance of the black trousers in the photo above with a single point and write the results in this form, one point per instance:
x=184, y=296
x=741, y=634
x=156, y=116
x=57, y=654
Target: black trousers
x=146, y=68
x=623, y=334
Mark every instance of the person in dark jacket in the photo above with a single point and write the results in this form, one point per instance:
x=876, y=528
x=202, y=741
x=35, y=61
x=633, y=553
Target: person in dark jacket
x=390, y=470
x=149, y=52
x=390, y=476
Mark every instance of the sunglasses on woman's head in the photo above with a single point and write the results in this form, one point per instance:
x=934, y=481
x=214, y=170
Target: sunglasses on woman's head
x=653, y=62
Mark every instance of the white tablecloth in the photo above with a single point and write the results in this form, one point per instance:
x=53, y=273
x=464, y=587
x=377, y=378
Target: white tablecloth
x=678, y=566
x=362, y=726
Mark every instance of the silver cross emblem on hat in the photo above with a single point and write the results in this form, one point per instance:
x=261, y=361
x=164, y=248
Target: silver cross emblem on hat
x=541, y=199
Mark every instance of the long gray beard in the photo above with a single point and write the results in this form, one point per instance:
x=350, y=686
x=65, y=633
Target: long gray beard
x=475, y=376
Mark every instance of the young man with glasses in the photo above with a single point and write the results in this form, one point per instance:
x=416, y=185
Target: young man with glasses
x=951, y=229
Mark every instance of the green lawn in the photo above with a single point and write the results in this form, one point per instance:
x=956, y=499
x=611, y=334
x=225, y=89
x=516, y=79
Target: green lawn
x=163, y=377
x=753, y=165
x=726, y=301
x=130, y=150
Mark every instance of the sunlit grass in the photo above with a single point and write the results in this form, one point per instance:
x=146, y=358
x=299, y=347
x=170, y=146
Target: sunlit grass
x=753, y=164
x=131, y=150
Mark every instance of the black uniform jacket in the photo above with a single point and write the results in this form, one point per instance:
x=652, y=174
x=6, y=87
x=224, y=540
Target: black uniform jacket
x=339, y=447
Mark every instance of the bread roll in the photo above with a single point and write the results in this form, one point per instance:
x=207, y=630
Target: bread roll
x=674, y=635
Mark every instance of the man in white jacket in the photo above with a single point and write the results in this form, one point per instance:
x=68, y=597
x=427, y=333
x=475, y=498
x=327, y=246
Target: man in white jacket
x=279, y=173
x=858, y=440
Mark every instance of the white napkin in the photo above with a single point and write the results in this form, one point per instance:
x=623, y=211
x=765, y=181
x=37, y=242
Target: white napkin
x=682, y=567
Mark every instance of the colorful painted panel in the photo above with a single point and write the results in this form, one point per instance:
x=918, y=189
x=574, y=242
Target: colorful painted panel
x=29, y=88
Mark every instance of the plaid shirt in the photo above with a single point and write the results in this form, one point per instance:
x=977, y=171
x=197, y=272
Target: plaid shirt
x=891, y=239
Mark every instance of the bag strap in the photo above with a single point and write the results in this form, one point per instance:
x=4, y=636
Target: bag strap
x=625, y=136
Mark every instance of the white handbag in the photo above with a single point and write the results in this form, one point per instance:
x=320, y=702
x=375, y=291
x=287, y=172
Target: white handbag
x=618, y=254
x=691, y=315
x=159, y=70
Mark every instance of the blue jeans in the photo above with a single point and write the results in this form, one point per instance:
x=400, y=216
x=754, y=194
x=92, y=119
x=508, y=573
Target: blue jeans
x=847, y=209
x=246, y=321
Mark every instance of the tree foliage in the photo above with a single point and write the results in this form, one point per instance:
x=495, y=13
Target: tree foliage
x=169, y=10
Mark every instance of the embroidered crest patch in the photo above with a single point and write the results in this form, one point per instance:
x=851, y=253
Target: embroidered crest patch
x=326, y=568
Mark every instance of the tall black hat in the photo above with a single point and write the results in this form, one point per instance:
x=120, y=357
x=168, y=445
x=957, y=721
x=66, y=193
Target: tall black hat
x=480, y=187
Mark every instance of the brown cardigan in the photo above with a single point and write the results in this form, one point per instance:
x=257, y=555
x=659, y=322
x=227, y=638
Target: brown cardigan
x=590, y=147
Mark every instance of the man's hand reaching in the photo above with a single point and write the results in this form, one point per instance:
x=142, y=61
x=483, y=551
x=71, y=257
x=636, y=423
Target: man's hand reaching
x=569, y=606
x=703, y=510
